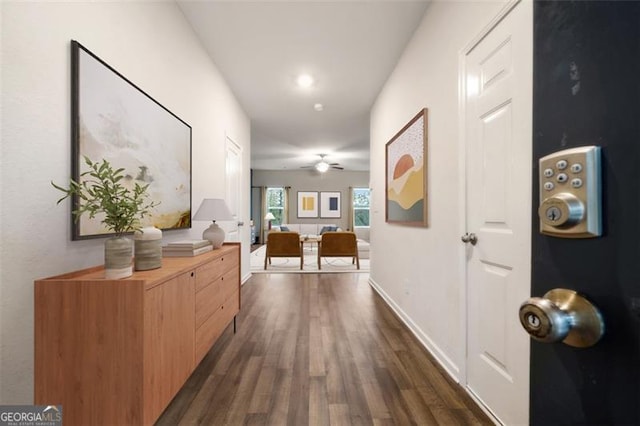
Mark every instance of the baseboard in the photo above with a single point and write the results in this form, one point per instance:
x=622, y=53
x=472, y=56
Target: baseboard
x=445, y=362
x=483, y=407
x=245, y=278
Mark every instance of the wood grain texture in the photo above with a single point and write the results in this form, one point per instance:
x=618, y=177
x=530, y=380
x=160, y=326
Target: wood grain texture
x=87, y=332
x=213, y=270
x=213, y=327
x=169, y=355
x=115, y=352
x=317, y=349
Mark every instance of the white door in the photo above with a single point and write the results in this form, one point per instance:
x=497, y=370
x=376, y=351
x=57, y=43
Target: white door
x=498, y=122
x=233, y=165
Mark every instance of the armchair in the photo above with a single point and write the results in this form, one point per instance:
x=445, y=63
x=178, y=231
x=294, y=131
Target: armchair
x=338, y=244
x=283, y=244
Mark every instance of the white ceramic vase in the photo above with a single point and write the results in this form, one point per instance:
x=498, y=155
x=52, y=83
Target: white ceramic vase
x=148, y=248
x=118, y=255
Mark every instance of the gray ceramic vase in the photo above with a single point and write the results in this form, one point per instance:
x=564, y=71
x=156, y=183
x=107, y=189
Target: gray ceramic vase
x=118, y=255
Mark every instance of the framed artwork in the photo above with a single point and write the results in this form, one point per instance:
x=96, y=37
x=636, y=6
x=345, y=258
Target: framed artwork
x=113, y=119
x=406, y=174
x=307, y=204
x=330, y=204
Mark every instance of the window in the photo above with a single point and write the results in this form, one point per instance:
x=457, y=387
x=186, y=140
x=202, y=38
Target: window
x=275, y=198
x=361, y=203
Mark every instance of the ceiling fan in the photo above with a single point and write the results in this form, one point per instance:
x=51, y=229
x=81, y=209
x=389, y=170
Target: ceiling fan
x=322, y=166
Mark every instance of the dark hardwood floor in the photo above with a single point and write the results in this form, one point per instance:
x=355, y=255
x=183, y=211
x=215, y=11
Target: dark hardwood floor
x=315, y=349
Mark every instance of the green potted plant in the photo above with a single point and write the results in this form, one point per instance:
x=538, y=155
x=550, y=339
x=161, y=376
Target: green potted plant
x=102, y=192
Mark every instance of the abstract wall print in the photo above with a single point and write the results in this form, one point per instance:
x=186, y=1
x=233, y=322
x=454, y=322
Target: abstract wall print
x=406, y=174
x=330, y=204
x=113, y=119
x=307, y=204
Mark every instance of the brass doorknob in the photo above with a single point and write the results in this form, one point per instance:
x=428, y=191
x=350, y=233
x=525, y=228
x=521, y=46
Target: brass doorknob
x=562, y=315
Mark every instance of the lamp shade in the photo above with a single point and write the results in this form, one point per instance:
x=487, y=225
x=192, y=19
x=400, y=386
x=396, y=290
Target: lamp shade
x=269, y=216
x=213, y=209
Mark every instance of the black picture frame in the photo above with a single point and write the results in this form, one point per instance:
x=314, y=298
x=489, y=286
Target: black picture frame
x=113, y=119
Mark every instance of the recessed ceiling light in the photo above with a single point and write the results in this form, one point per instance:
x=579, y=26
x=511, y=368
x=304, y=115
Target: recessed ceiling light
x=305, y=80
x=318, y=107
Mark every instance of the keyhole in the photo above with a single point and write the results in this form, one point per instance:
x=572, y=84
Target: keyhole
x=533, y=321
x=553, y=214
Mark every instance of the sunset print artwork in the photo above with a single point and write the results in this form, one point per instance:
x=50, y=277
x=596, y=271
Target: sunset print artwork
x=406, y=174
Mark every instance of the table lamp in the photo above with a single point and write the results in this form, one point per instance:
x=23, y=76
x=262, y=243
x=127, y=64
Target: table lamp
x=269, y=217
x=213, y=209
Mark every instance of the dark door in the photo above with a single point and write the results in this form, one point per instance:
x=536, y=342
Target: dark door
x=587, y=92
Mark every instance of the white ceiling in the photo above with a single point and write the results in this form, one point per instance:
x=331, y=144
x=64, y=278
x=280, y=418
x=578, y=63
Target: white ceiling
x=349, y=47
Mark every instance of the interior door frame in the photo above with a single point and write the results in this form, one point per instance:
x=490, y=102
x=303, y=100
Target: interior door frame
x=462, y=192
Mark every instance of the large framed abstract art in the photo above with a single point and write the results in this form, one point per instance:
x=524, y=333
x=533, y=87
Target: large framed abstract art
x=115, y=120
x=406, y=174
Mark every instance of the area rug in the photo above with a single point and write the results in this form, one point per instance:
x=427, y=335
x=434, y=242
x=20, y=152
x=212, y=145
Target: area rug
x=291, y=265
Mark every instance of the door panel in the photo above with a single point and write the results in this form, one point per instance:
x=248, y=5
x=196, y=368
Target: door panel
x=498, y=166
x=233, y=175
x=496, y=131
x=587, y=62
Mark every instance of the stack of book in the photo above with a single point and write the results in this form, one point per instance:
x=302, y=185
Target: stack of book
x=186, y=248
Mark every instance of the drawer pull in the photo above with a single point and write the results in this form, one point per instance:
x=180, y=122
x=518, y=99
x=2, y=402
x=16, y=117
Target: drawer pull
x=193, y=273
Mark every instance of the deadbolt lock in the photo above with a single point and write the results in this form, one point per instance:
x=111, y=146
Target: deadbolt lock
x=570, y=193
x=562, y=315
x=561, y=210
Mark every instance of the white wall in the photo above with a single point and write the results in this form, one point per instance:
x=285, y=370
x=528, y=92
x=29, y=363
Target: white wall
x=420, y=274
x=153, y=46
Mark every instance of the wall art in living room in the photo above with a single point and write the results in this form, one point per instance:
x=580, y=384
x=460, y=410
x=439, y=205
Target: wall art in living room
x=329, y=204
x=113, y=119
x=406, y=174
x=307, y=204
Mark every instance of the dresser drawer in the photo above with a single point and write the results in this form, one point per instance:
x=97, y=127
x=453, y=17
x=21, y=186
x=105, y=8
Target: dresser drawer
x=211, y=297
x=213, y=270
x=208, y=300
x=229, y=284
x=213, y=326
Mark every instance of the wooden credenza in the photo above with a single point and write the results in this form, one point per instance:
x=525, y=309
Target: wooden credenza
x=115, y=352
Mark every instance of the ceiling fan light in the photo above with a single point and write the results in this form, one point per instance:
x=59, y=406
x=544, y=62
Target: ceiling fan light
x=322, y=166
x=305, y=81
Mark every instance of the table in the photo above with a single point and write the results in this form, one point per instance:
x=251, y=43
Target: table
x=310, y=239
